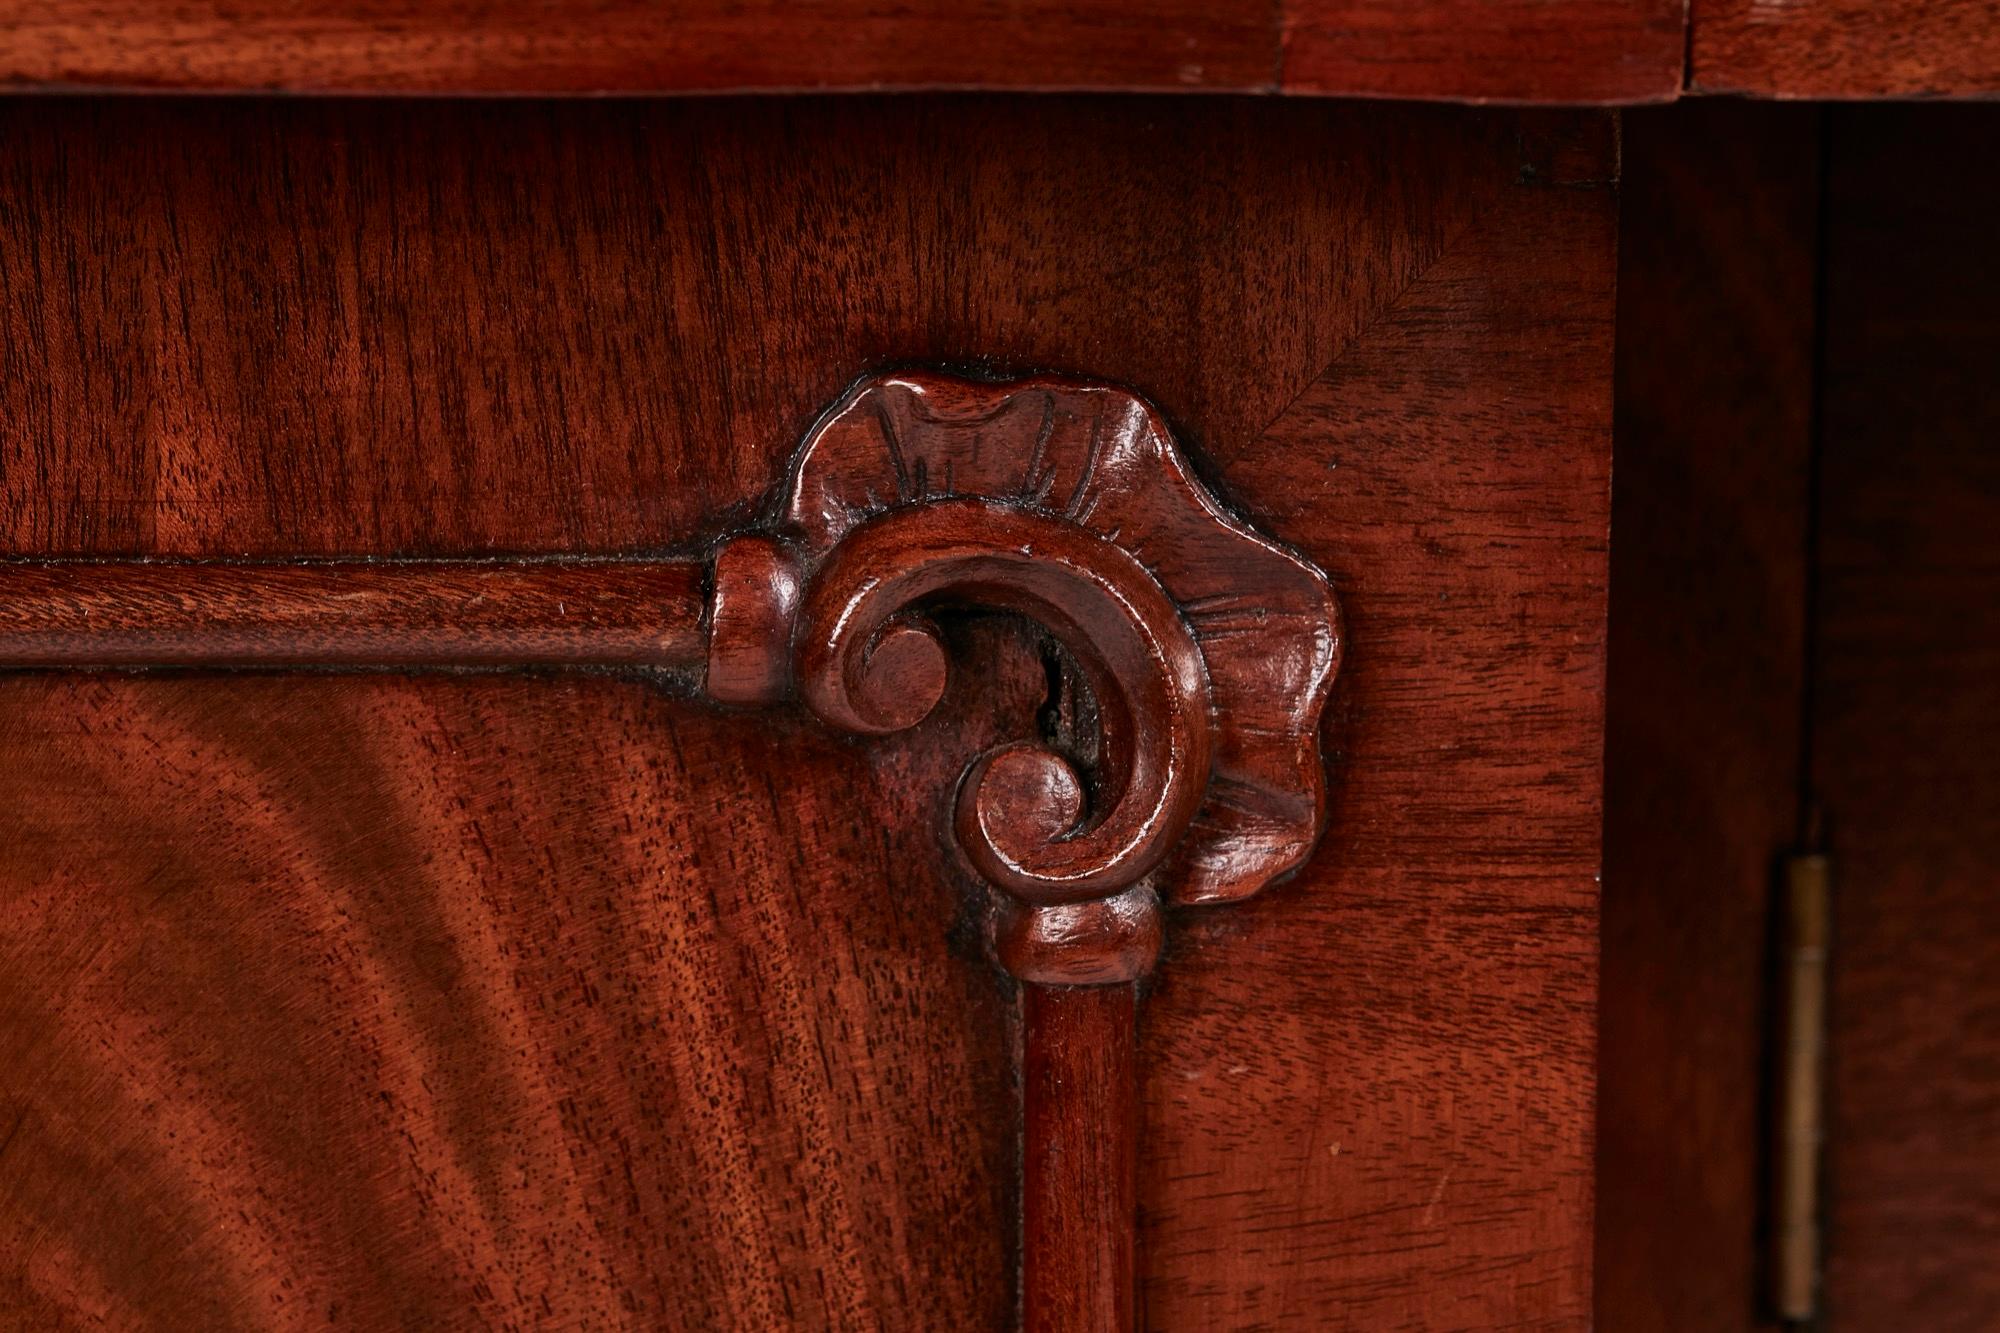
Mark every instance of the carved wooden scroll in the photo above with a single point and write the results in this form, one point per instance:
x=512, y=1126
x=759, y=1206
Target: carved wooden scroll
x=1191, y=771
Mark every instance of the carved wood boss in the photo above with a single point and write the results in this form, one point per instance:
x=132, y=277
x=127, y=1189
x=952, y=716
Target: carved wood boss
x=1189, y=769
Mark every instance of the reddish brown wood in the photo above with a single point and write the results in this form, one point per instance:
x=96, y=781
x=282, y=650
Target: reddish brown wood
x=916, y=493
x=636, y=46
x=1079, y=1184
x=1900, y=734
x=865, y=665
x=456, y=404
x=1845, y=48
x=1368, y=1092
x=1209, y=650
x=348, y=613
x=600, y=328
x=1208, y=653
x=1101, y=942
x=1043, y=492
x=1476, y=50
x=1717, y=270
x=443, y=1001
x=1487, y=50
x=1906, y=748
x=753, y=598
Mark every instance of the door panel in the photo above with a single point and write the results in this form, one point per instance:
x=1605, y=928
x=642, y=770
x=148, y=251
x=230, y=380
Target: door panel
x=422, y=964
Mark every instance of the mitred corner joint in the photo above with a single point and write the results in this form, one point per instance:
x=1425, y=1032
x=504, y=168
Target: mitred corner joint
x=1208, y=649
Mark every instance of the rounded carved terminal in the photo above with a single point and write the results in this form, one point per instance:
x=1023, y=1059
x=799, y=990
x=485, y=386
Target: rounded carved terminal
x=752, y=599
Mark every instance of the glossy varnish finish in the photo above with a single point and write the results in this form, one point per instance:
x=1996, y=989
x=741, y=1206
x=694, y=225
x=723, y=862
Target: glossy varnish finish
x=582, y=613
x=1207, y=651
x=1487, y=50
x=1203, y=667
x=1361, y=1110
x=1334, y=1070
x=633, y=46
x=441, y=1002
x=1561, y=51
x=1845, y=48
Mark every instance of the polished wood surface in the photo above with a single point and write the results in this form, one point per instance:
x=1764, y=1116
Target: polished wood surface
x=544, y=350
x=1361, y=1110
x=1079, y=1174
x=1594, y=51
x=1367, y=1092
x=519, y=46
x=1203, y=668
x=380, y=614
x=1519, y=50
x=1718, y=270
x=1906, y=750
x=1826, y=277
x=455, y=1001
x=1845, y=48
x=1208, y=651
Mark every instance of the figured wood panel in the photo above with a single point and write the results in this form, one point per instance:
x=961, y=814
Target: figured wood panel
x=1718, y=264
x=1845, y=48
x=451, y=1002
x=1520, y=50
x=1907, y=721
x=1487, y=50
x=1369, y=1091
x=460, y=329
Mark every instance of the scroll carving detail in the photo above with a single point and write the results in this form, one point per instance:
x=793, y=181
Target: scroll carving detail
x=1207, y=649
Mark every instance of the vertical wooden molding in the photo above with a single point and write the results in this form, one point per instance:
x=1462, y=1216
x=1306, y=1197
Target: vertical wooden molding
x=1189, y=773
x=1079, y=1158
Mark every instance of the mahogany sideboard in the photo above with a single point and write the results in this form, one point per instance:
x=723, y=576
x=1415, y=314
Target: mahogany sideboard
x=855, y=666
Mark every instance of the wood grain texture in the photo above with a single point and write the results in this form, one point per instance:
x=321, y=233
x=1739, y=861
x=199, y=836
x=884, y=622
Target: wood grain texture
x=1845, y=48
x=1369, y=1091
x=1477, y=50
x=635, y=46
x=1598, y=51
x=583, y=613
x=475, y=1001
x=1717, y=281
x=1907, y=720
x=1208, y=650
x=322, y=329
x=1205, y=653
x=317, y=328
x=1079, y=1171
x=1207, y=665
